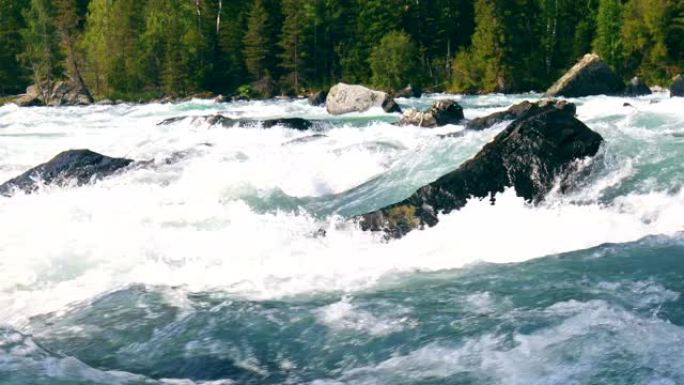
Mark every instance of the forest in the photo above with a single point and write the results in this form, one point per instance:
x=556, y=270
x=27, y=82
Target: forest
x=141, y=49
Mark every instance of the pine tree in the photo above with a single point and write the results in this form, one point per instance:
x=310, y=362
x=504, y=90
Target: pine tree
x=291, y=40
x=12, y=74
x=394, y=62
x=41, y=49
x=608, y=43
x=256, y=40
x=97, y=43
x=67, y=25
x=172, y=44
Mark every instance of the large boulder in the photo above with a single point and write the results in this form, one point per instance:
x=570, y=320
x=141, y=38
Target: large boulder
x=637, y=87
x=590, y=76
x=530, y=155
x=518, y=111
x=345, y=98
x=677, y=87
x=441, y=113
x=69, y=167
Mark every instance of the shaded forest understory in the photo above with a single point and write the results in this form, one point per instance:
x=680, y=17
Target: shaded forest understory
x=142, y=49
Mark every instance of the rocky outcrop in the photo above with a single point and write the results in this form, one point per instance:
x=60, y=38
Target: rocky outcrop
x=677, y=87
x=637, y=87
x=318, y=98
x=518, y=111
x=218, y=119
x=530, y=155
x=69, y=167
x=345, y=98
x=590, y=76
x=62, y=93
x=441, y=113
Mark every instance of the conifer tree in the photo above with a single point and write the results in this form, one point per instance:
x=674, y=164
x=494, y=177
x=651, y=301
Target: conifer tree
x=12, y=74
x=394, y=62
x=256, y=40
x=608, y=43
x=41, y=49
x=291, y=40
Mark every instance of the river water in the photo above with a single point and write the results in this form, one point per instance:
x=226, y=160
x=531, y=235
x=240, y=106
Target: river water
x=205, y=267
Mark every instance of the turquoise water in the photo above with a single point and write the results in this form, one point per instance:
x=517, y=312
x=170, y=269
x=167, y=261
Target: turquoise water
x=205, y=270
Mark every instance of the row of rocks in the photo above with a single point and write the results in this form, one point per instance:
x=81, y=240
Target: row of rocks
x=539, y=148
x=218, y=119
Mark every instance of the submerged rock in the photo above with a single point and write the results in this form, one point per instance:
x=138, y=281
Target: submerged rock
x=73, y=166
x=590, y=76
x=318, y=98
x=637, y=87
x=345, y=98
x=529, y=155
x=292, y=123
x=518, y=111
x=677, y=87
x=441, y=113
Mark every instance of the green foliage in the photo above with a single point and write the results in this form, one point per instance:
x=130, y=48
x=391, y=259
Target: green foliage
x=138, y=48
x=41, y=48
x=256, y=40
x=394, y=62
x=292, y=42
x=608, y=42
x=12, y=74
x=644, y=37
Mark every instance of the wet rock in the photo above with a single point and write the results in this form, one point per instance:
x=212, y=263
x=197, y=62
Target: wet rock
x=305, y=139
x=518, y=111
x=637, y=87
x=590, y=76
x=409, y=92
x=73, y=166
x=345, y=98
x=441, y=113
x=677, y=87
x=292, y=123
x=318, y=98
x=530, y=155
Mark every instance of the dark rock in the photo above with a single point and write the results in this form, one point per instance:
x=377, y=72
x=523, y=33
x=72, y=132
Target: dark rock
x=389, y=105
x=530, y=155
x=441, y=113
x=627, y=105
x=305, y=139
x=590, y=76
x=345, y=98
x=677, y=87
x=292, y=123
x=518, y=111
x=318, y=98
x=73, y=166
x=409, y=92
x=637, y=87
x=447, y=112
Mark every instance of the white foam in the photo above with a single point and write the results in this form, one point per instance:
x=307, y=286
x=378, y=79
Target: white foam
x=187, y=224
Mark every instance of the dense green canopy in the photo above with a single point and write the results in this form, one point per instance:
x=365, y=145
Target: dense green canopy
x=142, y=48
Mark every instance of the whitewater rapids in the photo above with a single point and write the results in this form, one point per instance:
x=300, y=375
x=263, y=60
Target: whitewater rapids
x=213, y=252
